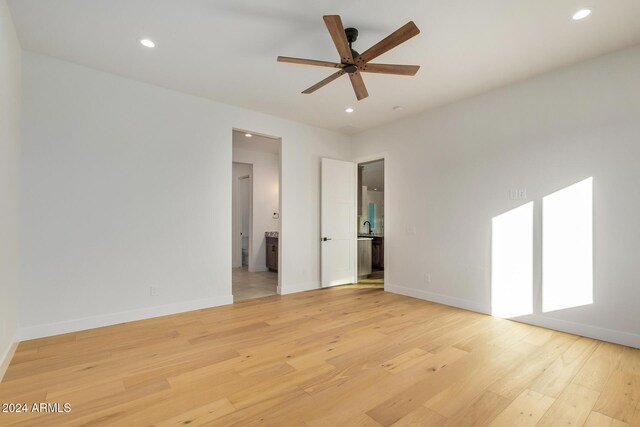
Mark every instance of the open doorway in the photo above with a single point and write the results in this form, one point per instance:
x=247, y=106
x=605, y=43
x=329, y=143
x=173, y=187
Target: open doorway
x=370, y=217
x=353, y=233
x=242, y=188
x=256, y=215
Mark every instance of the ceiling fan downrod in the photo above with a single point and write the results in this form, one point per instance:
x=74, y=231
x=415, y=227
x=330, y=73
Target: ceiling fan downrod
x=352, y=36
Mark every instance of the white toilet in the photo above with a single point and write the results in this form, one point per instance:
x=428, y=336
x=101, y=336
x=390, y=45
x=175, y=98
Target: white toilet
x=245, y=256
x=245, y=250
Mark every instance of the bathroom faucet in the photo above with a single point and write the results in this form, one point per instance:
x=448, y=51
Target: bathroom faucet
x=367, y=223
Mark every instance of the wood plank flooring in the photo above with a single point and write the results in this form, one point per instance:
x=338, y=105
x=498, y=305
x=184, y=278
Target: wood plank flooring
x=334, y=357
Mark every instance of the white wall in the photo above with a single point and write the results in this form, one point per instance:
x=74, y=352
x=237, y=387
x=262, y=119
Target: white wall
x=127, y=186
x=266, y=200
x=450, y=171
x=10, y=98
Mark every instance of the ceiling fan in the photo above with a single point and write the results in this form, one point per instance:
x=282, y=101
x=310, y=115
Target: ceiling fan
x=354, y=63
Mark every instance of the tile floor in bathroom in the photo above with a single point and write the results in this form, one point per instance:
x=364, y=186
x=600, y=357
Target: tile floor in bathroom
x=248, y=285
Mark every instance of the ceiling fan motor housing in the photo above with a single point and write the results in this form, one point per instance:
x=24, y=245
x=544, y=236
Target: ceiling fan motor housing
x=352, y=36
x=350, y=68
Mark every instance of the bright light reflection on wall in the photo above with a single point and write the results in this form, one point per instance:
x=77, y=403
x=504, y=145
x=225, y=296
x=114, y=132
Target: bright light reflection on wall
x=512, y=263
x=567, y=247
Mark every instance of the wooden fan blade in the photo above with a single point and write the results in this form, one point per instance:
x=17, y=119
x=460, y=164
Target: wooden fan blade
x=324, y=82
x=403, y=70
x=308, y=62
x=399, y=36
x=358, y=85
x=336, y=30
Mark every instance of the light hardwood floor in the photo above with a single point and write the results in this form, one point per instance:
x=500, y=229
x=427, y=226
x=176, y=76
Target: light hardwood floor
x=335, y=357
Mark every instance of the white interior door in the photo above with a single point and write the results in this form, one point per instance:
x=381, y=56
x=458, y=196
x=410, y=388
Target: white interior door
x=244, y=184
x=241, y=189
x=236, y=244
x=338, y=222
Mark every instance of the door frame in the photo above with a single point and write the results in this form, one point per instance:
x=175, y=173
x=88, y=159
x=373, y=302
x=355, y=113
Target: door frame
x=281, y=217
x=388, y=230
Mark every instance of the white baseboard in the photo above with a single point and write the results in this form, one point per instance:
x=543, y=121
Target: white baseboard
x=292, y=289
x=5, y=359
x=589, y=331
x=75, y=325
x=439, y=298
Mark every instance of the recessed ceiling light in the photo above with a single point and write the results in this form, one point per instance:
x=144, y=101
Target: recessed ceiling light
x=581, y=14
x=248, y=135
x=349, y=110
x=147, y=43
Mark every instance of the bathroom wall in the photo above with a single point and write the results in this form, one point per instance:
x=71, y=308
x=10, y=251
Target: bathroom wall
x=377, y=198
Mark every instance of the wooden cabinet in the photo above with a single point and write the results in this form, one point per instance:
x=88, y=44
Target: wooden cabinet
x=377, y=253
x=364, y=257
x=272, y=253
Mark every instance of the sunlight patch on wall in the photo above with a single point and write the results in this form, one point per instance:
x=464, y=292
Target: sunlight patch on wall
x=512, y=263
x=567, y=247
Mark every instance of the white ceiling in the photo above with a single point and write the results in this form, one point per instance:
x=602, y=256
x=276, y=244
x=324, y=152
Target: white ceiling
x=226, y=50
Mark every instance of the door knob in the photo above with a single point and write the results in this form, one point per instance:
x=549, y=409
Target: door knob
x=324, y=239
